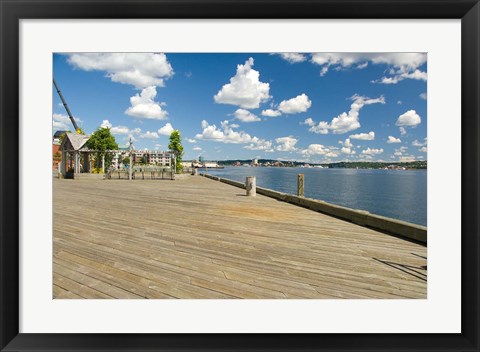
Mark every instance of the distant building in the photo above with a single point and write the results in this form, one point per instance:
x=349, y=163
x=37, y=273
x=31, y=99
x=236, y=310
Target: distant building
x=255, y=162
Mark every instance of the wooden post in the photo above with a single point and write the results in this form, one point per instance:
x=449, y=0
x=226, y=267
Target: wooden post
x=251, y=186
x=64, y=164
x=103, y=163
x=301, y=185
x=130, y=166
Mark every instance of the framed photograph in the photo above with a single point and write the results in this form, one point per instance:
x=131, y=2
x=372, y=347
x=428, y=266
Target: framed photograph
x=236, y=176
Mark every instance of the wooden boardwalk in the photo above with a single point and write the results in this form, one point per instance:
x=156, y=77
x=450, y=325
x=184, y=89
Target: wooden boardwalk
x=199, y=238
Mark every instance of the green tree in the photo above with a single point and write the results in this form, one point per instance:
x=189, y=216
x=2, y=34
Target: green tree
x=176, y=147
x=102, y=140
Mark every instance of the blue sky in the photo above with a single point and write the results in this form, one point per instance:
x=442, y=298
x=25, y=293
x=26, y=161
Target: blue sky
x=312, y=107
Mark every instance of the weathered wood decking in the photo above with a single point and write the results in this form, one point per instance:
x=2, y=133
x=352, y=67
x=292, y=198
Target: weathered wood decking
x=197, y=238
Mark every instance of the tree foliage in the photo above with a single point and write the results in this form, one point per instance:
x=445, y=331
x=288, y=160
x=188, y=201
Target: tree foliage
x=175, y=146
x=102, y=140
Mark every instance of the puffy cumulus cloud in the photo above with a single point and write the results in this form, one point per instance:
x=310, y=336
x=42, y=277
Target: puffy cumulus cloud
x=369, y=151
x=293, y=58
x=197, y=148
x=346, y=150
x=144, y=105
x=141, y=70
x=149, y=135
x=286, y=144
x=166, y=130
x=403, y=131
x=271, y=113
x=260, y=144
x=245, y=89
x=370, y=136
x=226, y=134
x=345, y=122
x=423, y=96
x=62, y=122
x=106, y=124
x=400, y=151
x=409, y=119
x=392, y=139
x=125, y=130
x=423, y=145
x=347, y=147
x=319, y=149
x=246, y=116
x=402, y=65
x=191, y=140
x=300, y=103
x=416, y=143
x=417, y=74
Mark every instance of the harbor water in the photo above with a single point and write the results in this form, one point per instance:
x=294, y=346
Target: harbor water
x=398, y=194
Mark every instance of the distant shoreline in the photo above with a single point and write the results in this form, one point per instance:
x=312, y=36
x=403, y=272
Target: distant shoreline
x=411, y=165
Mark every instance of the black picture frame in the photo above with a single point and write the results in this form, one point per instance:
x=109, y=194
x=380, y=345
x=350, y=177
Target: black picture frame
x=12, y=11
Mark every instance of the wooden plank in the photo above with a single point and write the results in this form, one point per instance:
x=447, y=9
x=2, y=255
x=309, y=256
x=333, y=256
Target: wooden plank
x=198, y=238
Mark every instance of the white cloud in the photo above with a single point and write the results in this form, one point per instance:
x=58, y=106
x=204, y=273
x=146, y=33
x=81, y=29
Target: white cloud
x=226, y=134
x=197, y=148
x=400, y=151
x=392, y=139
x=141, y=70
x=416, y=143
x=271, y=113
x=403, y=131
x=410, y=119
x=166, y=130
x=300, y=103
x=344, y=122
x=370, y=136
x=246, y=116
x=369, y=151
x=62, y=122
x=293, y=57
x=319, y=149
x=417, y=75
x=286, y=144
x=423, y=96
x=149, y=135
x=399, y=102
x=106, y=124
x=347, y=147
x=145, y=107
x=245, y=89
x=403, y=65
x=260, y=144
x=191, y=140
x=125, y=130
x=347, y=143
x=346, y=150
x=423, y=149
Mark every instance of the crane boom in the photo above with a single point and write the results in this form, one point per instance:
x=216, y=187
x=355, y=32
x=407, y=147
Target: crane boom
x=66, y=107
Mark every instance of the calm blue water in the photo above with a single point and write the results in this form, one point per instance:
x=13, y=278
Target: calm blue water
x=393, y=193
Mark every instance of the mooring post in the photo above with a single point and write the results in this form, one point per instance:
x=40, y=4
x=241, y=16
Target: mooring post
x=251, y=186
x=301, y=185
